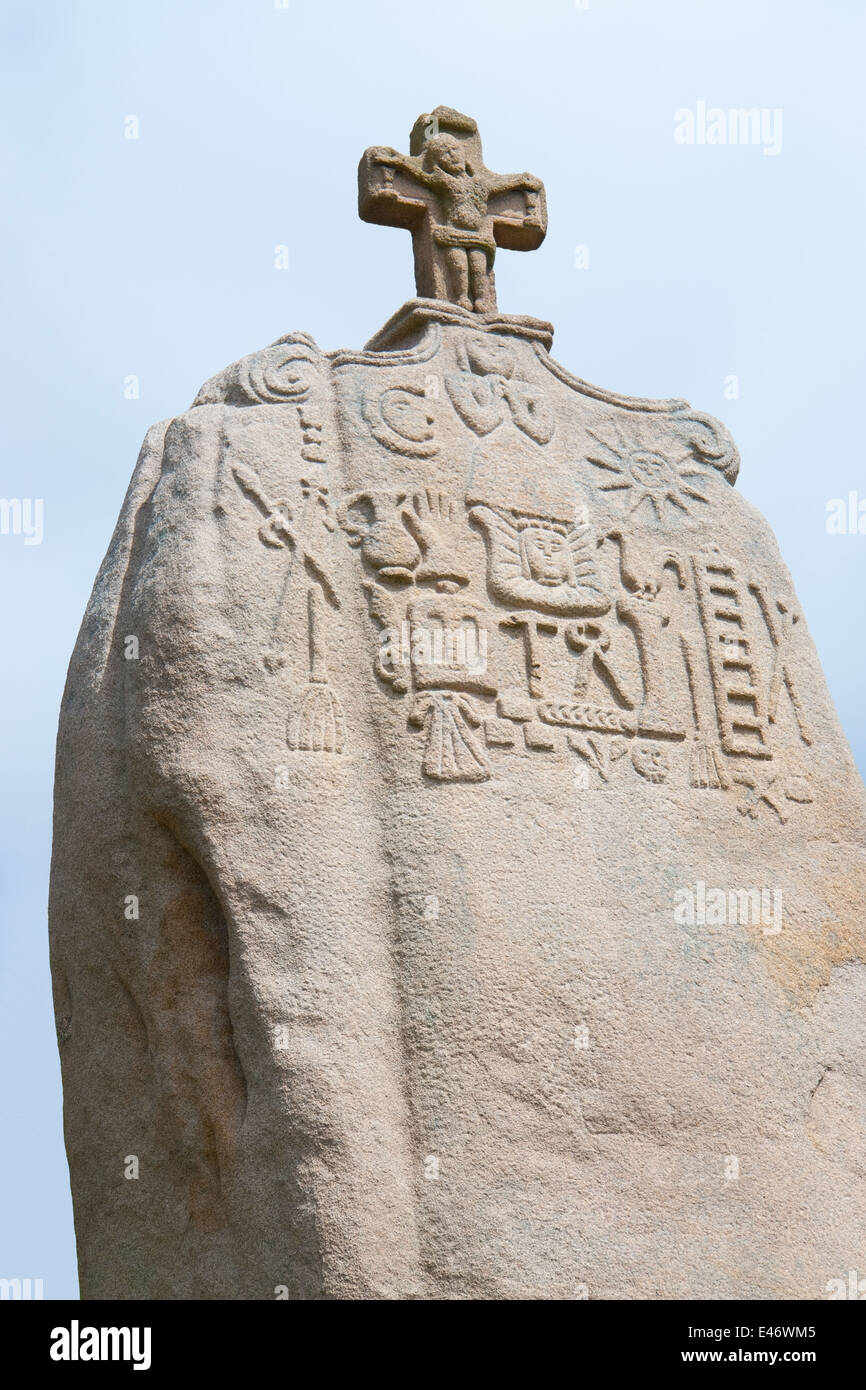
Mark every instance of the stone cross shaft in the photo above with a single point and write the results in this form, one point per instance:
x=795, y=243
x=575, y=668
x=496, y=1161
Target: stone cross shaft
x=457, y=210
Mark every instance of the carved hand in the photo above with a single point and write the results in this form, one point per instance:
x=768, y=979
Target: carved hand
x=434, y=523
x=384, y=154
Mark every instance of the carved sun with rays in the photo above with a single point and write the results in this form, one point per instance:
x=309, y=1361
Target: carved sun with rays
x=648, y=477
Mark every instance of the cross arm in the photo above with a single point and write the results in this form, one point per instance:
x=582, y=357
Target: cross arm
x=391, y=188
x=518, y=207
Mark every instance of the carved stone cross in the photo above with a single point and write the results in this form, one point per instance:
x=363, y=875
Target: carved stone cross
x=457, y=210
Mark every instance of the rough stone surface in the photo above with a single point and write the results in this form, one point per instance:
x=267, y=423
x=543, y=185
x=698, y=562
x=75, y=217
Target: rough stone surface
x=429, y=708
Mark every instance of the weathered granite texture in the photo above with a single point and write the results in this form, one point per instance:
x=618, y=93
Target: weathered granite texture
x=430, y=707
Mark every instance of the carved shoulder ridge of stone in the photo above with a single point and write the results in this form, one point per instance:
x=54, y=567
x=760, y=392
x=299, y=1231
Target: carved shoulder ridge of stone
x=96, y=636
x=599, y=393
x=706, y=436
x=397, y=357
x=413, y=317
x=281, y=372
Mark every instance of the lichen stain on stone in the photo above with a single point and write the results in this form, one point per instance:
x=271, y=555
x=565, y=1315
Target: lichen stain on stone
x=802, y=957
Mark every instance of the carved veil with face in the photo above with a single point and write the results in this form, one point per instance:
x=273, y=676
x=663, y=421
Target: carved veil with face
x=536, y=563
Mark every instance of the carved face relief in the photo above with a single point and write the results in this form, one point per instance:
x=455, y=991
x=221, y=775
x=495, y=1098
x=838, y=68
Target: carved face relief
x=540, y=564
x=447, y=152
x=406, y=415
x=485, y=356
x=402, y=419
x=651, y=471
x=546, y=556
x=652, y=483
x=652, y=763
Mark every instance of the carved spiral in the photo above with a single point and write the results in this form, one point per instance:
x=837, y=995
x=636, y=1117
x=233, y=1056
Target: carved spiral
x=281, y=373
x=710, y=442
x=285, y=371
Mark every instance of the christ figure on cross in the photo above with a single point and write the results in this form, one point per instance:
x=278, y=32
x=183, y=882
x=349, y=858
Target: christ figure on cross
x=458, y=210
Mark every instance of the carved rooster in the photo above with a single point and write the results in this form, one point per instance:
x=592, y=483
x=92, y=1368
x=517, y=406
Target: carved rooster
x=640, y=573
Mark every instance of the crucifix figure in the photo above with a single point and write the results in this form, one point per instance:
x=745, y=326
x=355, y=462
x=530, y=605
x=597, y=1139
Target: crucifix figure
x=457, y=210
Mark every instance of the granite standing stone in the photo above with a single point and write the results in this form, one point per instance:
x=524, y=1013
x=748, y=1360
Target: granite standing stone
x=458, y=872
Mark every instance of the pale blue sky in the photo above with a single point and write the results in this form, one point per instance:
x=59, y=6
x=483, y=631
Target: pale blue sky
x=155, y=258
